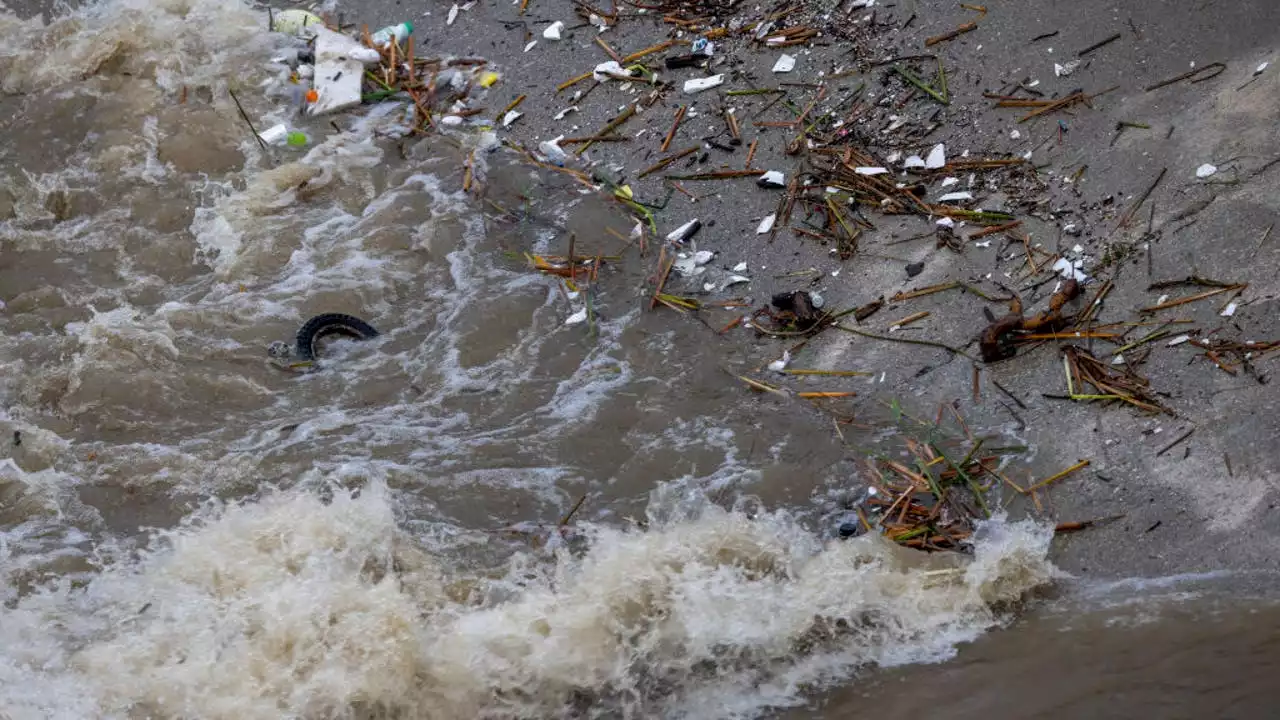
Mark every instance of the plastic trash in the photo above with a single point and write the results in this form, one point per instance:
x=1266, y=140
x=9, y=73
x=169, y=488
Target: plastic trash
x=338, y=73
x=772, y=179
x=956, y=197
x=275, y=134
x=785, y=64
x=766, y=224
x=488, y=79
x=1206, y=170
x=552, y=31
x=400, y=32
x=913, y=161
x=294, y=22
x=609, y=70
x=553, y=152
x=937, y=157
x=685, y=231
x=697, y=85
x=453, y=15
x=297, y=139
x=870, y=170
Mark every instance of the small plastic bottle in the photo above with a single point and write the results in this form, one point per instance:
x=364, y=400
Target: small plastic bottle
x=400, y=32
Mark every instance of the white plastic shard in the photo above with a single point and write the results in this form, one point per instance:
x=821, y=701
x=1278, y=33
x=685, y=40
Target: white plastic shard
x=1206, y=170
x=937, y=157
x=552, y=31
x=785, y=64
x=697, y=85
x=766, y=224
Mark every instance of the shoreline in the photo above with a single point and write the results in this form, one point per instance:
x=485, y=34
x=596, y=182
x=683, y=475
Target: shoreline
x=1183, y=501
x=1181, y=511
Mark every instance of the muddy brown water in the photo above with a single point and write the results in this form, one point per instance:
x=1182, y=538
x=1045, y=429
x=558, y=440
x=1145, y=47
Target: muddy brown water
x=186, y=530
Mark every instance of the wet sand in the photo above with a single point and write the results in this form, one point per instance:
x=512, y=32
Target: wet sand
x=1184, y=507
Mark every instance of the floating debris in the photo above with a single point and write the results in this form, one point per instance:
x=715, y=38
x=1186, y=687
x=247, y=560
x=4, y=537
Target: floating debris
x=937, y=157
x=1206, y=170
x=697, y=85
x=772, y=179
x=784, y=64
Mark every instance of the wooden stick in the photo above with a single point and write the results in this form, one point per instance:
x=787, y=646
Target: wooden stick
x=667, y=161
x=1192, y=298
x=666, y=143
x=612, y=54
x=1059, y=476
x=967, y=27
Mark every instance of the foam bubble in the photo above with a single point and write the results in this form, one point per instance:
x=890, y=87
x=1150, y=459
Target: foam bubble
x=292, y=605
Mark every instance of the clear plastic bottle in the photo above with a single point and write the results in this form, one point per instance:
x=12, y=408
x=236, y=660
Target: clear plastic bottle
x=400, y=32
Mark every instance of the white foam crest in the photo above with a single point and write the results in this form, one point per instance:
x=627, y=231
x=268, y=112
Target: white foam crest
x=579, y=396
x=291, y=606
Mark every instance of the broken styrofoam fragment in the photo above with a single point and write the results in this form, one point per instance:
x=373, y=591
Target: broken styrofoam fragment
x=560, y=115
x=1206, y=170
x=1179, y=340
x=870, y=170
x=781, y=363
x=610, y=70
x=956, y=196
x=948, y=182
x=685, y=231
x=1069, y=269
x=736, y=280
x=1229, y=310
x=946, y=222
x=553, y=152
x=529, y=45
x=772, y=179
x=785, y=64
x=1261, y=68
x=1077, y=249
x=687, y=265
x=983, y=244
x=339, y=69
x=1118, y=360
x=766, y=224
x=510, y=117
x=451, y=120
x=578, y=317
x=598, y=21
x=697, y=85
x=1065, y=69
x=1015, y=134
x=275, y=134
x=702, y=257
x=1162, y=298
x=552, y=31
x=937, y=157
x=740, y=267
x=913, y=161
x=453, y=15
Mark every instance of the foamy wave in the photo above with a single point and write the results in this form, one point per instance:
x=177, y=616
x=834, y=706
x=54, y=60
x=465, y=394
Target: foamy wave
x=293, y=606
